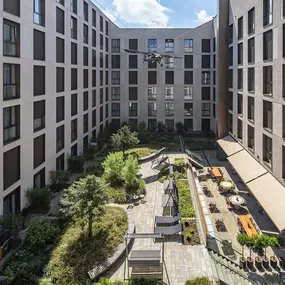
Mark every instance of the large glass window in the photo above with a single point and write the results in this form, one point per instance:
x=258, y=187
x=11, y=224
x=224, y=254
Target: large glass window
x=188, y=45
x=11, y=38
x=39, y=12
x=152, y=45
x=169, y=45
x=267, y=12
x=39, y=115
x=11, y=123
x=11, y=81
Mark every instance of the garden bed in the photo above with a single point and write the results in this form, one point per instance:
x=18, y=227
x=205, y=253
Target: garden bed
x=179, y=171
x=200, y=143
x=190, y=231
x=185, y=204
x=142, y=150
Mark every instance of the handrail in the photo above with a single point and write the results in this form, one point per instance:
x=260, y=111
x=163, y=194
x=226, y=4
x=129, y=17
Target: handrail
x=220, y=241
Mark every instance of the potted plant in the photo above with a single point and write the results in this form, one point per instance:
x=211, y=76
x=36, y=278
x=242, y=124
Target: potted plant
x=273, y=241
x=258, y=262
x=264, y=242
x=242, y=238
x=250, y=244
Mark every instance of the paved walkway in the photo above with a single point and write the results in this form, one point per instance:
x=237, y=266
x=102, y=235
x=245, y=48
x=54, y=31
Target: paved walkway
x=181, y=262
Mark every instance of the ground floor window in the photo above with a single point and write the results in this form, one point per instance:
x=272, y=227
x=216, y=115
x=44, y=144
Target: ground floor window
x=12, y=202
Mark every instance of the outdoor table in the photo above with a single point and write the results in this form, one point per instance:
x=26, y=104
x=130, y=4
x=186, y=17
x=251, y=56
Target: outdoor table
x=226, y=185
x=247, y=225
x=216, y=173
x=236, y=200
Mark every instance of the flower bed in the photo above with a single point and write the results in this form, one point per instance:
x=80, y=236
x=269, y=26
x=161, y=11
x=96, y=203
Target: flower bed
x=191, y=235
x=185, y=204
x=142, y=151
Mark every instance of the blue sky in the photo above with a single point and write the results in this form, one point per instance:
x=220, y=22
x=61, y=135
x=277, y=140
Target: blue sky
x=158, y=13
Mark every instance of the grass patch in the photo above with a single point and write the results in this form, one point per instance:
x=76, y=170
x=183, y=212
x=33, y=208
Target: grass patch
x=142, y=151
x=199, y=281
x=75, y=254
x=185, y=204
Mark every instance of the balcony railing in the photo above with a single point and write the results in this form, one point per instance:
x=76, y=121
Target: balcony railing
x=188, y=97
x=115, y=49
x=116, y=113
x=152, y=96
x=169, y=97
x=169, y=113
x=206, y=113
x=116, y=81
x=152, y=113
x=115, y=97
x=188, y=113
x=152, y=49
x=133, y=113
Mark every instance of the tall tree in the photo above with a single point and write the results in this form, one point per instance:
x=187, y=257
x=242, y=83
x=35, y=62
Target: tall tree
x=84, y=200
x=113, y=165
x=124, y=139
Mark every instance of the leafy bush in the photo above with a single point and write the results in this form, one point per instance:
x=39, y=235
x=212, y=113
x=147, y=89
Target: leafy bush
x=90, y=151
x=161, y=127
x=22, y=278
x=198, y=281
x=59, y=176
x=130, y=172
x=185, y=206
x=180, y=127
x=76, y=163
x=13, y=223
x=39, y=198
x=113, y=165
x=95, y=168
x=41, y=233
x=116, y=195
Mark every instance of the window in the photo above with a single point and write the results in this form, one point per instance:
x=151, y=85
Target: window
x=101, y=42
x=267, y=150
x=116, y=109
x=59, y=50
x=267, y=80
x=206, y=93
x=151, y=93
x=39, y=45
x=214, y=111
x=169, y=93
x=250, y=108
x=133, y=44
x=85, y=78
x=206, y=109
x=85, y=123
x=101, y=24
x=206, y=61
x=60, y=2
x=85, y=100
x=206, y=125
x=12, y=202
x=239, y=129
x=206, y=45
x=188, y=77
x=283, y=80
x=283, y=160
x=59, y=21
x=268, y=45
x=206, y=78
x=101, y=78
x=93, y=58
x=116, y=77
x=39, y=151
x=251, y=21
x=251, y=50
x=106, y=78
x=188, y=45
x=73, y=104
x=214, y=61
x=101, y=96
x=107, y=94
x=11, y=123
x=39, y=115
x=230, y=123
x=231, y=101
x=133, y=61
x=214, y=44
x=115, y=93
x=11, y=81
x=250, y=137
x=188, y=124
x=169, y=45
x=240, y=53
x=152, y=125
x=73, y=78
x=107, y=28
x=240, y=79
x=283, y=53
x=133, y=77
x=73, y=6
x=85, y=11
x=188, y=93
x=169, y=124
x=169, y=63
x=251, y=79
x=39, y=80
x=94, y=119
x=267, y=115
x=59, y=138
x=59, y=109
x=73, y=53
x=231, y=34
x=11, y=167
x=230, y=56
x=188, y=109
x=94, y=18
x=152, y=77
x=267, y=12
x=240, y=104
x=188, y=61
x=116, y=61
x=152, y=45
x=39, y=12
x=94, y=74
x=12, y=7
x=115, y=45
x=169, y=77
x=85, y=56
x=59, y=79
x=230, y=78
x=133, y=93
x=101, y=60
x=240, y=28
x=93, y=98
x=133, y=109
x=11, y=38
x=169, y=109
x=85, y=34
x=60, y=162
x=152, y=109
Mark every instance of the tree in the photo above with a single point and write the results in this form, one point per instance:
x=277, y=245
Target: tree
x=250, y=241
x=130, y=171
x=180, y=127
x=242, y=238
x=124, y=139
x=113, y=165
x=84, y=200
x=161, y=127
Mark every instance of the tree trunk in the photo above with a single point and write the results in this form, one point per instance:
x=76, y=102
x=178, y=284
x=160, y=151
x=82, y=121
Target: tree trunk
x=90, y=219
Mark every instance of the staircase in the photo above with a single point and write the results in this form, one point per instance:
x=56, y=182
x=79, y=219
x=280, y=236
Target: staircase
x=228, y=272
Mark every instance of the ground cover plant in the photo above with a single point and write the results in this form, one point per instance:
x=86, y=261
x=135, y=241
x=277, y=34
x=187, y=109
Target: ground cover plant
x=179, y=170
x=185, y=204
x=142, y=150
x=199, y=281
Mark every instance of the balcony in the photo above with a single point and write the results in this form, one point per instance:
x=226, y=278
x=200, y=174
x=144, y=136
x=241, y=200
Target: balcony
x=115, y=97
x=188, y=113
x=188, y=97
x=152, y=113
x=169, y=97
x=152, y=97
x=169, y=113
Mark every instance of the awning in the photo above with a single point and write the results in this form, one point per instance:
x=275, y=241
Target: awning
x=229, y=145
x=246, y=166
x=270, y=193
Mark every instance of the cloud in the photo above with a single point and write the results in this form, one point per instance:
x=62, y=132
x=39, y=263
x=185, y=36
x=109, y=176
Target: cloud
x=148, y=13
x=202, y=17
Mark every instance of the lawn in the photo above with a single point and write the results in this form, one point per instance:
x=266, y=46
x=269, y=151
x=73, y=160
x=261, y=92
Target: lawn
x=143, y=150
x=75, y=254
x=185, y=204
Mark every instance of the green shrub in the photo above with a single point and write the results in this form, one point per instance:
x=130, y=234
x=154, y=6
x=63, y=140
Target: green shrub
x=41, y=233
x=39, y=198
x=198, y=281
x=185, y=206
x=96, y=169
x=76, y=163
x=90, y=151
x=116, y=195
x=113, y=165
x=130, y=172
x=13, y=223
x=142, y=151
x=22, y=278
x=180, y=127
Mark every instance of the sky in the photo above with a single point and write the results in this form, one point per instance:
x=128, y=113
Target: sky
x=158, y=13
